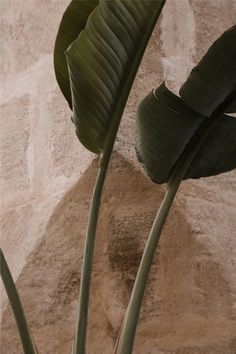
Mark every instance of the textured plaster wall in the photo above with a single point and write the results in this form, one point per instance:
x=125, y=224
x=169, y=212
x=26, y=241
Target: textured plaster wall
x=47, y=179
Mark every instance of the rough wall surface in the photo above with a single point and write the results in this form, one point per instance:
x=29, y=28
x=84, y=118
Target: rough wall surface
x=47, y=179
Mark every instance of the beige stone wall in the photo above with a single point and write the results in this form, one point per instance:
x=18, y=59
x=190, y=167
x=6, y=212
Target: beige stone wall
x=47, y=179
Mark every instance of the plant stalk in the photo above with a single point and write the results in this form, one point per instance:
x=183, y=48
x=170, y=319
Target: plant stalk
x=27, y=340
x=83, y=305
x=127, y=335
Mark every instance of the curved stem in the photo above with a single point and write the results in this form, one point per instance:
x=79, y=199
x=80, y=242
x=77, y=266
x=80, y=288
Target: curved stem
x=127, y=334
x=82, y=314
x=14, y=299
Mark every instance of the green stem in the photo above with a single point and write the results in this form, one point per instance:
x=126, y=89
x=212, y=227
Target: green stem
x=14, y=299
x=82, y=314
x=125, y=343
x=127, y=334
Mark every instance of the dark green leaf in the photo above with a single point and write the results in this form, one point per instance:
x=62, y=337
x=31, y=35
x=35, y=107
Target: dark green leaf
x=72, y=23
x=218, y=153
x=103, y=62
x=214, y=78
x=166, y=125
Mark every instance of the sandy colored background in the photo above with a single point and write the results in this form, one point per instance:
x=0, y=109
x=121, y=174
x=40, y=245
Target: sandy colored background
x=47, y=179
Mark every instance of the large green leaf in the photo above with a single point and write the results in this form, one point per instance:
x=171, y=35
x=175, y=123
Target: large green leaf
x=214, y=78
x=165, y=127
x=72, y=23
x=167, y=124
x=103, y=62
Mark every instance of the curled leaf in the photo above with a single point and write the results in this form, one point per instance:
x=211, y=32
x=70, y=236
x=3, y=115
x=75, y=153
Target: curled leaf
x=168, y=124
x=214, y=78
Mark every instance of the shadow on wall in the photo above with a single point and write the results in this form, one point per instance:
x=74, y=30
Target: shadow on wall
x=187, y=305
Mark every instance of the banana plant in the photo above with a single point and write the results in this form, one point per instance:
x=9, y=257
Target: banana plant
x=103, y=51
x=184, y=137
x=98, y=49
